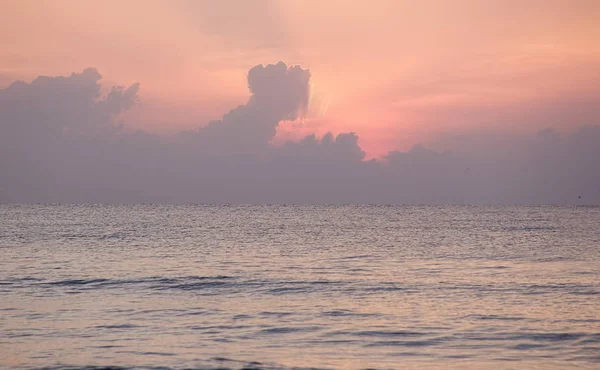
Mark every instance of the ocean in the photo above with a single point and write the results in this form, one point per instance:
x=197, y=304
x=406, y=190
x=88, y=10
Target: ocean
x=299, y=287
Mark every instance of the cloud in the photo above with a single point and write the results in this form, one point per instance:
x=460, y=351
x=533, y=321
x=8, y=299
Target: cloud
x=278, y=93
x=55, y=132
x=61, y=141
x=342, y=149
x=497, y=168
x=59, y=105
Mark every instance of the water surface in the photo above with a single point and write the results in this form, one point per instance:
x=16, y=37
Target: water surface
x=343, y=287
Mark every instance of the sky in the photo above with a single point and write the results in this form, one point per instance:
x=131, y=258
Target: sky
x=377, y=89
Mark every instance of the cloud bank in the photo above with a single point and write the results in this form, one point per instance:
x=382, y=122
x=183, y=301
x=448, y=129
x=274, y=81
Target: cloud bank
x=61, y=141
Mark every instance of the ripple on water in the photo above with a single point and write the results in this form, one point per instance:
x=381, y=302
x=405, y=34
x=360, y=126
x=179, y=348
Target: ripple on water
x=197, y=287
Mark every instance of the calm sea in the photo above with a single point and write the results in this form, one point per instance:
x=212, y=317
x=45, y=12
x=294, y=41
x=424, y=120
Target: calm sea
x=282, y=287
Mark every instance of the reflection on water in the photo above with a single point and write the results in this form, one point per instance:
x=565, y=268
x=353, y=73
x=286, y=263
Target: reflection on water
x=270, y=287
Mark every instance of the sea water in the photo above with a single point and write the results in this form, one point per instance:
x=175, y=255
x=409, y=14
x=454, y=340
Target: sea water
x=282, y=287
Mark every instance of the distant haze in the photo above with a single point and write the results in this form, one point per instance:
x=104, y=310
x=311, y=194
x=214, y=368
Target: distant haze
x=300, y=102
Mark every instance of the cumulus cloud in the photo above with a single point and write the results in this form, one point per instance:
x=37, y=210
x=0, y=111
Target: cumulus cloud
x=56, y=135
x=342, y=149
x=61, y=141
x=62, y=106
x=278, y=93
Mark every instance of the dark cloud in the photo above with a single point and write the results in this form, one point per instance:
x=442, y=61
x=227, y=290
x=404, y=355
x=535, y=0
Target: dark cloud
x=61, y=141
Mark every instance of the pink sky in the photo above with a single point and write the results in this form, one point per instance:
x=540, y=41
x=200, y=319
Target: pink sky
x=395, y=72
